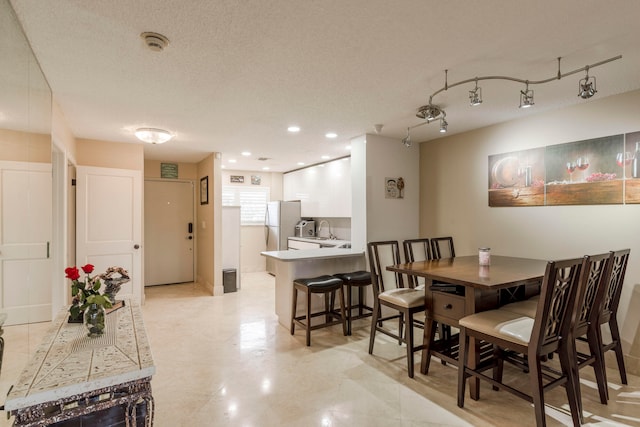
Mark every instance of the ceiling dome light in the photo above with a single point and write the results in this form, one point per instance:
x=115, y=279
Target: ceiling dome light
x=331, y=135
x=153, y=136
x=293, y=129
x=246, y=153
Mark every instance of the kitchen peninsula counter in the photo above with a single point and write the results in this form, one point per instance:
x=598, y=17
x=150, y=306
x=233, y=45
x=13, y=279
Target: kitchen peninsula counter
x=295, y=264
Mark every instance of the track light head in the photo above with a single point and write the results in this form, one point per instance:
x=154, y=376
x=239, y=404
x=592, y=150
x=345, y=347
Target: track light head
x=443, y=125
x=475, y=96
x=526, y=98
x=587, y=87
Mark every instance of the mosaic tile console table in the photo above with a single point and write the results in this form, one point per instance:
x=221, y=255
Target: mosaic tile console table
x=72, y=375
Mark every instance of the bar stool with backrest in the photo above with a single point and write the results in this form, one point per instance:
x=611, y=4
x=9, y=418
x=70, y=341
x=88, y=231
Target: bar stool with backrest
x=389, y=291
x=536, y=338
x=356, y=279
x=326, y=285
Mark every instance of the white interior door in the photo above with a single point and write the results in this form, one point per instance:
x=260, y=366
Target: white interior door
x=109, y=223
x=168, y=232
x=25, y=235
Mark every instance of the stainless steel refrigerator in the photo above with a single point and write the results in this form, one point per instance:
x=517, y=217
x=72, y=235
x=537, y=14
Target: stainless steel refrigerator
x=280, y=223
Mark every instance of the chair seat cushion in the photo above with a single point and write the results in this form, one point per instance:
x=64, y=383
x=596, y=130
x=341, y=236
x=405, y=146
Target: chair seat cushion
x=357, y=278
x=527, y=307
x=320, y=282
x=501, y=323
x=403, y=297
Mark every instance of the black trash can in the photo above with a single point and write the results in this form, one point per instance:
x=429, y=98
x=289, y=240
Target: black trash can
x=229, y=280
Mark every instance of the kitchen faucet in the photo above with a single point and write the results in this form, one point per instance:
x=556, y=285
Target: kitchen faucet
x=331, y=236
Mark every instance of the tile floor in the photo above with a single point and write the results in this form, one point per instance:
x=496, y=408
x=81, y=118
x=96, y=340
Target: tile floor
x=225, y=361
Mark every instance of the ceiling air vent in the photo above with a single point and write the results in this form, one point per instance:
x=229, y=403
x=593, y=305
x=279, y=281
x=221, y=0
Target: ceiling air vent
x=263, y=159
x=154, y=41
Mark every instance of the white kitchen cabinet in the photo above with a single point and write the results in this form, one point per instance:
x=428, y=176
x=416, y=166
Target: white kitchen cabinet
x=324, y=190
x=297, y=244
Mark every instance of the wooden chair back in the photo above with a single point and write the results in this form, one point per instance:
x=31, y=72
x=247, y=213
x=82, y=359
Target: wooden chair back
x=590, y=293
x=442, y=247
x=416, y=250
x=557, y=300
x=381, y=254
x=611, y=297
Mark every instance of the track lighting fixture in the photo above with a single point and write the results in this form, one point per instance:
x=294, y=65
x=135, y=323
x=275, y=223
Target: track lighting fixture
x=432, y=112
x=587, y=86
x=406, y=141
x=526, y=97
x=475, y=96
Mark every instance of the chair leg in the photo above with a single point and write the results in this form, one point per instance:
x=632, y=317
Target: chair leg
x=293, y=309
x=409, y=340
x=343, y=316
x=498, y=369
x=598, y=366
x=463, y=358
x=400, y=328
x=567, y=355
x=535, y=377
x=308, y=318
x=615, y=334
x=374, y=324
x=348, y=286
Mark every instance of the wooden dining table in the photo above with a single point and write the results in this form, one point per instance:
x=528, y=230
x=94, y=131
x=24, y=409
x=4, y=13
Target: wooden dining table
x=470, y=288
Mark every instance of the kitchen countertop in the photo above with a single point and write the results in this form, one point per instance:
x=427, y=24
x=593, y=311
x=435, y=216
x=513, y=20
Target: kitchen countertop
x=322, y=253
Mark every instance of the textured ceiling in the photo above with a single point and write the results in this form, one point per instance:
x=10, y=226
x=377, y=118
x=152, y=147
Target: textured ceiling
x=237, y=73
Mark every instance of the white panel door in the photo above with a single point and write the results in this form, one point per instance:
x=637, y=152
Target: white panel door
x=168, y=232
x=25, y=234
x=109, y=223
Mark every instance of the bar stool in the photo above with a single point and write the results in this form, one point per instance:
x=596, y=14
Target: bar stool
x=358, y=279
x=326, y=285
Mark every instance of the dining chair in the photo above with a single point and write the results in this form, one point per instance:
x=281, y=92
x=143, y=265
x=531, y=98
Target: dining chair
x=442, y=247
x=420, y=250
x=535, y=338
x=590, y=294
x=416, y=250
x=389, y=291
x=608, y=310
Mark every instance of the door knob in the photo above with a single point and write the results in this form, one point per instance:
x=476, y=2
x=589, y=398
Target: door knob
x=190, y=237
x=136, y=246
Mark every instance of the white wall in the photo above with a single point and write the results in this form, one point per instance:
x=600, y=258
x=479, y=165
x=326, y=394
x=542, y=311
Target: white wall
x=252, y=236
x=391, y=219
x=454, y=196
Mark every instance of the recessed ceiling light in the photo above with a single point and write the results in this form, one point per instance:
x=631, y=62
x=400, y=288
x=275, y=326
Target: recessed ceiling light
x=326, y=157
x=348, y=148
x=293, y=129
x=331, y=135
x=232, y=160
x=246, y=153
x=224, y=167
x=266, y=168
x=300, y=163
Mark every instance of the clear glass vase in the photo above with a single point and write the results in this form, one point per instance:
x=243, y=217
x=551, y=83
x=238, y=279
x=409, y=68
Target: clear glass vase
x=94, y=320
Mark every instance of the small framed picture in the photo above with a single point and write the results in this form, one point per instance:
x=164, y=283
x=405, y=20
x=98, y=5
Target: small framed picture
x=204, y=190
x=236, y=179
x=256, y=179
